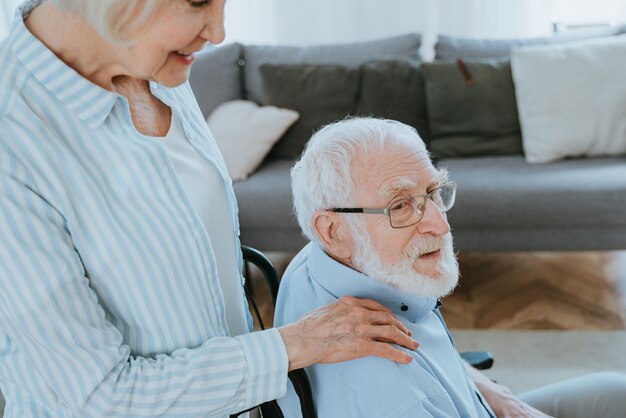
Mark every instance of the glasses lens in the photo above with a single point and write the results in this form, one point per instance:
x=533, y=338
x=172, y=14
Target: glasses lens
x=444, y=196
x=406, y=211
x=409, y=211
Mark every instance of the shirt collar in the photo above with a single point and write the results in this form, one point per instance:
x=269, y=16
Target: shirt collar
x=90, y=102
x=341, y=280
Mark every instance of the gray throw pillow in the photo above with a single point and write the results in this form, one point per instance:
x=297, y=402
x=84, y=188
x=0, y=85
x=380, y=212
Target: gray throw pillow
x=320, y=93
x=394, y=89
x=216, y=77
x=448, y=47
x=336, y=54
x=472, y=120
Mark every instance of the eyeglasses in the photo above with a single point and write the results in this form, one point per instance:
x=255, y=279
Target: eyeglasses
x=407, y=211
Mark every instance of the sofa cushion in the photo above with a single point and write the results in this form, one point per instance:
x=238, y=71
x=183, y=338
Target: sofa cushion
x=245, y=132
x=216, y=77
x=394, y=89
x=572, y=98
x=448, y=47
x=340, y=54
x=319, y=93
x=471, y=117
x=266, y=209
x=507, y=192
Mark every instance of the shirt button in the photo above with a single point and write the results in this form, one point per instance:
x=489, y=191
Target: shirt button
x=404, y=308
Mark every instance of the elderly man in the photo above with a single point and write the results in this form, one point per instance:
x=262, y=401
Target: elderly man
x=372, y=203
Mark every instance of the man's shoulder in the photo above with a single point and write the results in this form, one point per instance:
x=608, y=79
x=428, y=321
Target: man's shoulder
x=298, y=292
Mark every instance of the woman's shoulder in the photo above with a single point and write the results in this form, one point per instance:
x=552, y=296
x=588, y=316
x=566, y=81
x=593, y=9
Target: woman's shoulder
x=12, y=79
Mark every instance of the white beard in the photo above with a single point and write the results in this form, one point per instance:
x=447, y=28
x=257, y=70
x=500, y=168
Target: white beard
x=402, y=275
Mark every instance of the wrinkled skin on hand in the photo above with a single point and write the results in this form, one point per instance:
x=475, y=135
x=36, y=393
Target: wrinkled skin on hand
x=347, y=329
x=501, y=399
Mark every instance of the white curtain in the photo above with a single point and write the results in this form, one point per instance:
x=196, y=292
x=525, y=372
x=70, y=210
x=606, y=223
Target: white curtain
x=7, y=10
x=329, y=21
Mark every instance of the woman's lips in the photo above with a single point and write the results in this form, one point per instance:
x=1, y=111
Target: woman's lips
x=182, y=58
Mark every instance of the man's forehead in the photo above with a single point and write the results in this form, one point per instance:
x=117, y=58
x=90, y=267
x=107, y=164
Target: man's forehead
x=386, y=173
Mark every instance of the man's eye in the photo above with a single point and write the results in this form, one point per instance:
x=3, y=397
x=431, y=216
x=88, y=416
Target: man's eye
x=402, y=204
x=200, y=3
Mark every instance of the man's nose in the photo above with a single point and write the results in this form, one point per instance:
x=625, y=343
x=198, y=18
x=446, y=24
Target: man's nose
x=433, y=222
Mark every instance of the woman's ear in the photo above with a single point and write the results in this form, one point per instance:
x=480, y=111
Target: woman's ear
x=334, y=235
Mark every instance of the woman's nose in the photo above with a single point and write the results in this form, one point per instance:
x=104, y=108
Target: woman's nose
x=214, y=30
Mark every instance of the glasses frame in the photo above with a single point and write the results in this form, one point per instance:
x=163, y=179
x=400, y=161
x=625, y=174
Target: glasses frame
x=387, y=210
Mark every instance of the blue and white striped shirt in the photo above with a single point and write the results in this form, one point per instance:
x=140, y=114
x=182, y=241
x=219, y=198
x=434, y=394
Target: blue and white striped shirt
x=109, y=299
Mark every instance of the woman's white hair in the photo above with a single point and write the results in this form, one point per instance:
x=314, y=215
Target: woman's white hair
x=114, y=20
x=322, y=178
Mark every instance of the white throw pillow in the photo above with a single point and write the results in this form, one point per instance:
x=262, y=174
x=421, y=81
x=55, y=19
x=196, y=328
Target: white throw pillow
x=571, y=98
x=245, y=133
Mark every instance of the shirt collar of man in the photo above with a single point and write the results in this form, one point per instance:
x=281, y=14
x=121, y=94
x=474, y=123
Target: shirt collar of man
x=341, y=280
x=90, y=102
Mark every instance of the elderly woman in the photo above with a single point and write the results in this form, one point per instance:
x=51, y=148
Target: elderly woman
x=120, y=269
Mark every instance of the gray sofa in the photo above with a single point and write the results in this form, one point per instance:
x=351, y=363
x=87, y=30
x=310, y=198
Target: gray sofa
x=503, y=203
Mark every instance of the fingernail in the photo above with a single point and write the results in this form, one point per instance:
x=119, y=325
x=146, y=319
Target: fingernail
x=416, y=344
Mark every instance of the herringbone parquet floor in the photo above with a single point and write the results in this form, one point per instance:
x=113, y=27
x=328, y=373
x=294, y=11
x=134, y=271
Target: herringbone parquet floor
x=544, y=290
x=525, y=290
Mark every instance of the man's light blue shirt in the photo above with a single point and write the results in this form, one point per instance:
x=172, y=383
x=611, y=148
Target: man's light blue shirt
x=110, y=303
x=434, y=384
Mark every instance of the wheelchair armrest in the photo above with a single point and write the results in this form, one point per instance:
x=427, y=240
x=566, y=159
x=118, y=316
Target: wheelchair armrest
x=481, y=360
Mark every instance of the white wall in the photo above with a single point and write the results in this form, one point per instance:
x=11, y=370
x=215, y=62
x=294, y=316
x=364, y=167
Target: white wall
x=327, y=21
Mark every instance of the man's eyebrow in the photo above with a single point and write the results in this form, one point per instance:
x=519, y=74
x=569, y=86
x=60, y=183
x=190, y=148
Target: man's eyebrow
x=394, y=188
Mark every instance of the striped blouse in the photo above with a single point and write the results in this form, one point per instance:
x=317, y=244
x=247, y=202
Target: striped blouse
x=109, y=299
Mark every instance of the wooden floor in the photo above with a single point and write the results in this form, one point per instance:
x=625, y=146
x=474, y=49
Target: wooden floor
x=526, y=290
x=543, y=290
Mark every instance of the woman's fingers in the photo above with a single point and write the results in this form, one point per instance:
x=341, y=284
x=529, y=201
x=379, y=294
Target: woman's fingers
x=345, y=330
x=384, y=318
x=380, y=313
x=391, y=334
x=385, y=350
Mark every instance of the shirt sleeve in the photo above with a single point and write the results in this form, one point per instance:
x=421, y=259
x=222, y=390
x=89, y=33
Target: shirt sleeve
x=49, y=311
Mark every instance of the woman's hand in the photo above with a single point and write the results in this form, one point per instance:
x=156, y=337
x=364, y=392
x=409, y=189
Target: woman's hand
x=347, y=329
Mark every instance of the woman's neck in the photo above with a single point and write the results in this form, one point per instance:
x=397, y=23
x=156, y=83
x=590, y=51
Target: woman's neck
x=78, y=45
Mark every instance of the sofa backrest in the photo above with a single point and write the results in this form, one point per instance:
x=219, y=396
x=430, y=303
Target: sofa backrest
x=340, y=54
x=231, y=72
x=449, y=48
x=216, y=76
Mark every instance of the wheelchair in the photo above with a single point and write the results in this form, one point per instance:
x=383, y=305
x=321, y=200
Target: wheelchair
x=480, y=360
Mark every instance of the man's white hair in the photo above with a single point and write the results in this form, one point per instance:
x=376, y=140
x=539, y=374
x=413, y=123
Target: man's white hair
x=114, y=20
x=322, y=178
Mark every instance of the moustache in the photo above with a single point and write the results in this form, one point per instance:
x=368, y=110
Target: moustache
x=424, y=245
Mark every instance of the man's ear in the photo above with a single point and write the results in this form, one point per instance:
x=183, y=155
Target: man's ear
x=334, y=234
